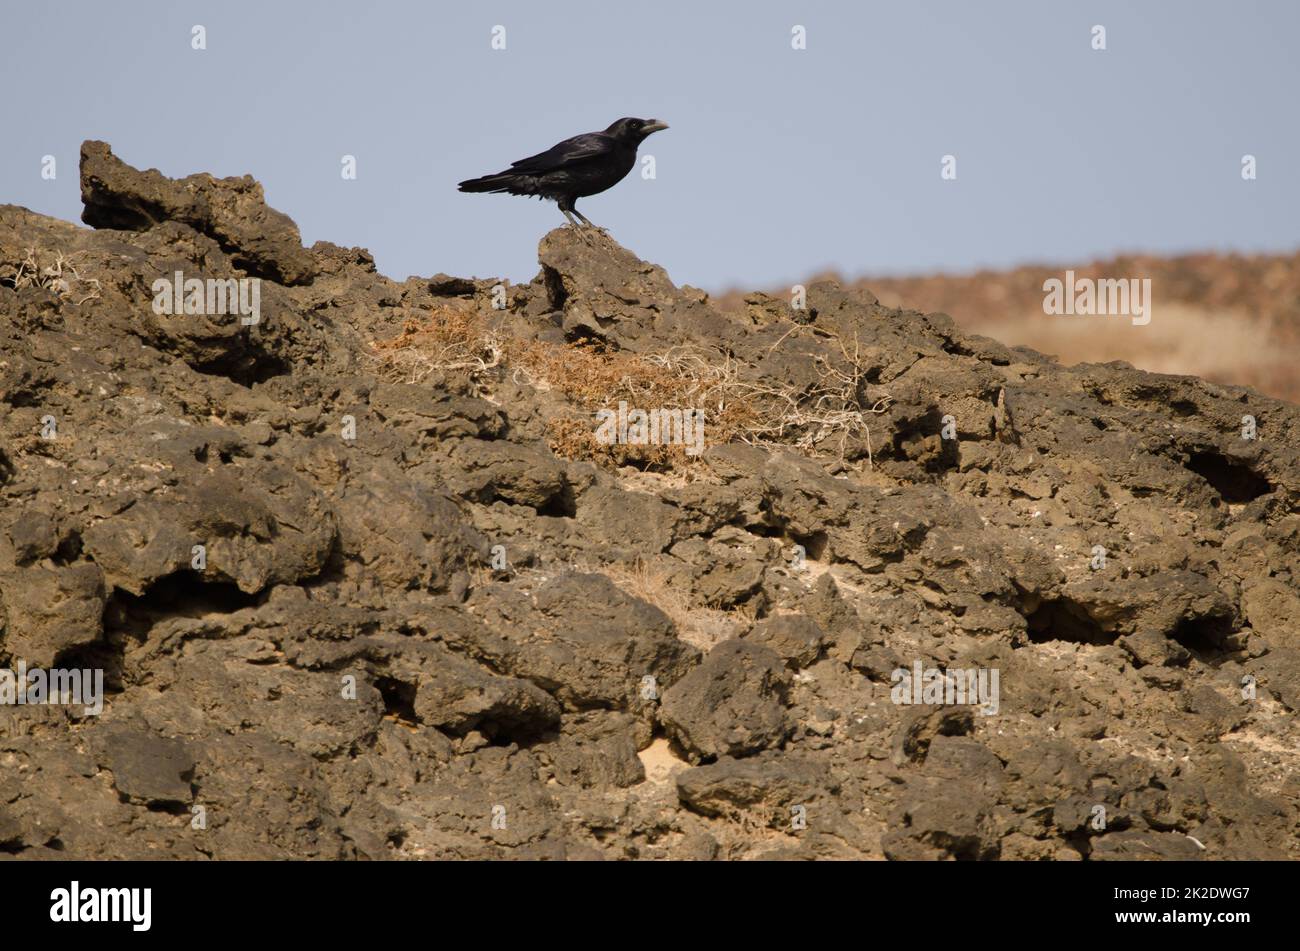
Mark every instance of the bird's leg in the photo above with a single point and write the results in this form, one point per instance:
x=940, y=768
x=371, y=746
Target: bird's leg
x=582, y=232
x=587, y=221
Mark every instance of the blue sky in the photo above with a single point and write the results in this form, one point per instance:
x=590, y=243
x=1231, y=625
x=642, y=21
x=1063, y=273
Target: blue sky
x=779, y=163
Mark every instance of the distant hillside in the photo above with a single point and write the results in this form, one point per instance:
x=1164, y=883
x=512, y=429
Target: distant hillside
x=1229, y=318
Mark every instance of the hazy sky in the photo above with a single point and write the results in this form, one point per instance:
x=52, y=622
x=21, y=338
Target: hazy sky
x=779, y=162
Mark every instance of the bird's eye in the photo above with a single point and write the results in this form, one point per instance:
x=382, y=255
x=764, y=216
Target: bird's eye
x=635, y=123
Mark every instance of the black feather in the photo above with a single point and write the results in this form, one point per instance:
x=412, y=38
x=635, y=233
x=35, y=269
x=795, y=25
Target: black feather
x=583, y=165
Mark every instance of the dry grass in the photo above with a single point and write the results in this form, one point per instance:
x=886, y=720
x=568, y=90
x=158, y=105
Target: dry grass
x=829, y=416
x=450, y=340
x=702, y=628
x=52, y=276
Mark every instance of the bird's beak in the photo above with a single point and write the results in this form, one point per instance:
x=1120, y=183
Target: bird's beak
x=654, y=125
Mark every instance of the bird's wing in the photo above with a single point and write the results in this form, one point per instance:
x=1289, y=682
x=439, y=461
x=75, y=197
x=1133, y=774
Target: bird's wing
x=580, y=148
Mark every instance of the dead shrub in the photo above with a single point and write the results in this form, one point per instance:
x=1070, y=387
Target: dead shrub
x=738, y=406
x=57, y=276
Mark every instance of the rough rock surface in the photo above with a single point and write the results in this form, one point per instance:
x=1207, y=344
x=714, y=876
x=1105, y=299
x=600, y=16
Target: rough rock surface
x=417, y=627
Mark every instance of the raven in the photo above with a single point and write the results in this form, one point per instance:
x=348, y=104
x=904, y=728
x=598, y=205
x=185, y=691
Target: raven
x=577, y=167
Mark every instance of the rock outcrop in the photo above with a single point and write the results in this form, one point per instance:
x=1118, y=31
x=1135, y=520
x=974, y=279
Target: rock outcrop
x=362, y=582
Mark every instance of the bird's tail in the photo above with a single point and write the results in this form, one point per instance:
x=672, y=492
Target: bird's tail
x=488, y=183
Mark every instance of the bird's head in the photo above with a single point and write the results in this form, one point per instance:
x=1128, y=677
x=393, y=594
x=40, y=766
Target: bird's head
x=634, y=130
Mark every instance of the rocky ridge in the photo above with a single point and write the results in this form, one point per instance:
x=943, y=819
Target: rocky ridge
x=430, y=622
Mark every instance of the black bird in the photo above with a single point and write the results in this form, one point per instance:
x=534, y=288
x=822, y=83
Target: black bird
x=577, y=167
